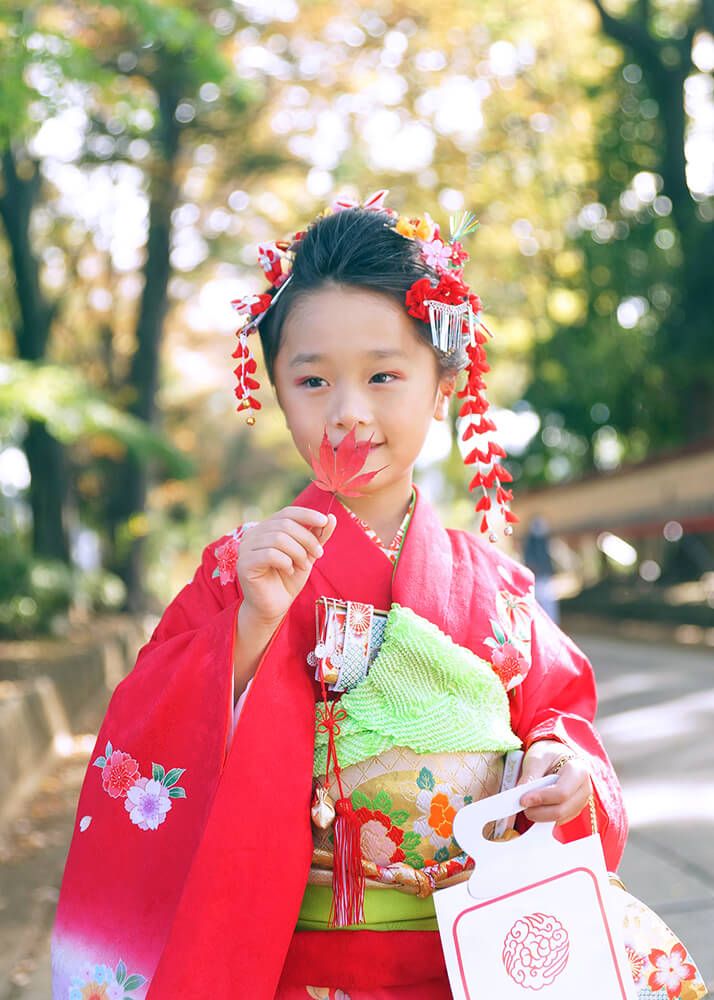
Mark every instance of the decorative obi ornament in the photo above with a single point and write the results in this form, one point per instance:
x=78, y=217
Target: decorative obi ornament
x=406, y=803
x=348, y=635
x=423, y=733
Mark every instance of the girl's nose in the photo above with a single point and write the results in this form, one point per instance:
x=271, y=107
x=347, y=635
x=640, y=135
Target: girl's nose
x=349, y=410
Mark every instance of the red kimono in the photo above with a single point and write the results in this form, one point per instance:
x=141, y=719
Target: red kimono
x=189, y=860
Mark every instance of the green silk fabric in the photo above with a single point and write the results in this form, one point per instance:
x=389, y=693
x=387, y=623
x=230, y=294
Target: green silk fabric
x=423, y=691
x=384, y=910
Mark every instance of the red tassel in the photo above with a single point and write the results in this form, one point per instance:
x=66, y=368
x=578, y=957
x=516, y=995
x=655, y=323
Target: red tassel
x=511, y=517
x=469, y=432
x=485, y=424
x=483, y=504
x=484, y=525
x=476, y=456
x=347, y=874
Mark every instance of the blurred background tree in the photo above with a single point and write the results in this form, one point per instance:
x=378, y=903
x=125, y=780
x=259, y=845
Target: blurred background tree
x=147, y=147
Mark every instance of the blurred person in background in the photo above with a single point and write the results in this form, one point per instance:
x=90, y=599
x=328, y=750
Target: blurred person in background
x=536, y=556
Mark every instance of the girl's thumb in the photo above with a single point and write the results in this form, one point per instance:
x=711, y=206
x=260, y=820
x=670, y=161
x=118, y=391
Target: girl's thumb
x=324, y=533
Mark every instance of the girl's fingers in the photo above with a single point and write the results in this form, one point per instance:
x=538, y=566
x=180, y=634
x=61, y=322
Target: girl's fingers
x=281, y=527
x=308, y=538
x=298, y=538
x=304, y=515
x=324, y=533
x=560, y=802
x=281, y=540
x=276, y=559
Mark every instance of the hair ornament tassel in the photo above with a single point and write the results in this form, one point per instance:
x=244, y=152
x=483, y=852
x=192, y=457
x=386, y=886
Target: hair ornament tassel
x=244, y=372
x=447, y=320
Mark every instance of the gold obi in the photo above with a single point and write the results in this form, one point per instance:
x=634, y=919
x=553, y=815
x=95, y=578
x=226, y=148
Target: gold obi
x=406, y=803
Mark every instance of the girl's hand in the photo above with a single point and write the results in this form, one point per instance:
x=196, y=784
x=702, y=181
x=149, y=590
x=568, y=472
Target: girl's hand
x=275, y=558
x=565, y=799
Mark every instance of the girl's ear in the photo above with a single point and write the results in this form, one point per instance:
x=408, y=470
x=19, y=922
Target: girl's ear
x=447, y=384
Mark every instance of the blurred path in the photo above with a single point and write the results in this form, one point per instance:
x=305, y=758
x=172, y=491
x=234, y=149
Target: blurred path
x=657, y=721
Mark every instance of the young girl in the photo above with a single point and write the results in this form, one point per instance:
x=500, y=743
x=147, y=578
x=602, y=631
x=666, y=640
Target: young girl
x=270, y=801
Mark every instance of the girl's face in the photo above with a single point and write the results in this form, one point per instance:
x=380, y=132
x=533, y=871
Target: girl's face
x=351, y=357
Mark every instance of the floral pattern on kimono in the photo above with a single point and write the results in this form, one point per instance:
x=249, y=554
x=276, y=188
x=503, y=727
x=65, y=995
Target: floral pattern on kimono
x=147, y=800
x=102, y=982
x=510, y=641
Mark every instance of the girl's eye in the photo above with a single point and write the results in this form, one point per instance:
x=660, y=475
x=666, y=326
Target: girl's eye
x=312, y=379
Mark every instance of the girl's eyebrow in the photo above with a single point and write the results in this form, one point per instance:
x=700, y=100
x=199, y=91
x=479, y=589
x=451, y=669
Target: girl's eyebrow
x=380, y=352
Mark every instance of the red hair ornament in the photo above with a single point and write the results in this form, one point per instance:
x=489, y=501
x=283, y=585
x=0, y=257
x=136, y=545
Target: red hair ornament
x=454, y=316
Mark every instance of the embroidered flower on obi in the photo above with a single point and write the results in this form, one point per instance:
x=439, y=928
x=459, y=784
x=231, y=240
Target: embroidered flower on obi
x=438, y=806
x=119, y=773
x=380, y=841
x=147, y=803
x=670, y=970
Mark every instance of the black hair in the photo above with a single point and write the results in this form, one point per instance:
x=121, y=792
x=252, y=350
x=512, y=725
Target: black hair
x=360, y=248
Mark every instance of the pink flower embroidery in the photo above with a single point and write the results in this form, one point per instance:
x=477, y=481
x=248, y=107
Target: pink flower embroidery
x=227, y=554
x=509, y=664
x=511, y=639
x=379, y=840
x=119, y=773
x=670, y=970
x=147, y=803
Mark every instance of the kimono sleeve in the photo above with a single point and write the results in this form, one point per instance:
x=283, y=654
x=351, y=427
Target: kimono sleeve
x=148, y=789
x=185, y=670
x=558, y=701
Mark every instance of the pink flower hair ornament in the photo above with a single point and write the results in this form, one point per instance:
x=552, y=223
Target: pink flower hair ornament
x=454, y=316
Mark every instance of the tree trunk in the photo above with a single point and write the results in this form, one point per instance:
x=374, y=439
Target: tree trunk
x=49, y=490
x=133, y=481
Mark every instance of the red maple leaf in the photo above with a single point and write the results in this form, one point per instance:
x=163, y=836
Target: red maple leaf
x=337, y=470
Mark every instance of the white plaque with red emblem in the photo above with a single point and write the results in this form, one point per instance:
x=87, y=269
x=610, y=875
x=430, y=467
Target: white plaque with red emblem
x=536, y=918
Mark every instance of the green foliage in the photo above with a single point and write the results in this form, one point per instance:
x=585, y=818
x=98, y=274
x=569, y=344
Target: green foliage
x=36, y=595
x=564, y=133
x=60, y=398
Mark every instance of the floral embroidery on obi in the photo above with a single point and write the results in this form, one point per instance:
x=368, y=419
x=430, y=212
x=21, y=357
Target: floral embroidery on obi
x=147, y=800
x=510, y=642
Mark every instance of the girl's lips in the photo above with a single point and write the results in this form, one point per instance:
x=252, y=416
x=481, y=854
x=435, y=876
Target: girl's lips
x=371, y=447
